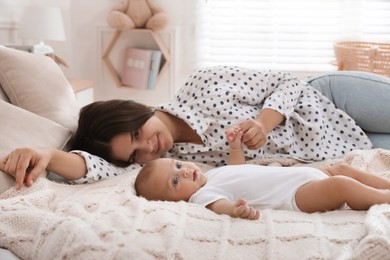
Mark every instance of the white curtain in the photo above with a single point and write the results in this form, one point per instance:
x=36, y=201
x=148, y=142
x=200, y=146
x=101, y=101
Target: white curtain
x=293, y=35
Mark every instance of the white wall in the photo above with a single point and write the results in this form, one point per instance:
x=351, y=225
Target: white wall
x=88, y=35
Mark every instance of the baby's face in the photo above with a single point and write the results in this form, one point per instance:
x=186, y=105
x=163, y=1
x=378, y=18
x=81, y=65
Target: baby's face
x=178, y=180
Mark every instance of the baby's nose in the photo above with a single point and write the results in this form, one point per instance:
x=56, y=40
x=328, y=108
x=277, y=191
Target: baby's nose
x=185, y=172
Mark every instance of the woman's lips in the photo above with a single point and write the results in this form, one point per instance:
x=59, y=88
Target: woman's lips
x=194, y=176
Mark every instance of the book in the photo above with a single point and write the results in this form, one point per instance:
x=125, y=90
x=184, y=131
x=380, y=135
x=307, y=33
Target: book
x=154, y=69
x=136, y=68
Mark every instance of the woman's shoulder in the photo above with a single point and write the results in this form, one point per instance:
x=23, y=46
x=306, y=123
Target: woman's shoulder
x=222, y=69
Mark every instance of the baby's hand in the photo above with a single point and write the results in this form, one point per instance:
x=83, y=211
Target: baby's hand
x=243, y=210
x=234, y=136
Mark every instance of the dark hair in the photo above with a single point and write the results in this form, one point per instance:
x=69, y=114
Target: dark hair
x=100, y=121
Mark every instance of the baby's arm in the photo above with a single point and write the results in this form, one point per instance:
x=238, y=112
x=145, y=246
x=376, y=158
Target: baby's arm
x=236, y=153
x=238, y=209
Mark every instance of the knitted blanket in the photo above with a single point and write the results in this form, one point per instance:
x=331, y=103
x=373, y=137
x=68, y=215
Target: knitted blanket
x=105, y=220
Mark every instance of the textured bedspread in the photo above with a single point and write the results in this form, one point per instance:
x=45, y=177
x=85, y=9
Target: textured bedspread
x=106, y=221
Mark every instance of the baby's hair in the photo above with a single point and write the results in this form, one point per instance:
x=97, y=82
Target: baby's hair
x=142, y=180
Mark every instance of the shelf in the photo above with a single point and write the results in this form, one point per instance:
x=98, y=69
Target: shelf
x=106, y=55
x=80, y=84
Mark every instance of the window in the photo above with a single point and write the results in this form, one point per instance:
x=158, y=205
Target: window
x=289, y=35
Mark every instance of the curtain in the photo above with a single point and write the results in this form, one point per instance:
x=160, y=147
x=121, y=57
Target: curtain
x=293, y=35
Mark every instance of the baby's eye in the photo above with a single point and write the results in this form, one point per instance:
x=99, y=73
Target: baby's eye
x=178, y=165
x=175, y=181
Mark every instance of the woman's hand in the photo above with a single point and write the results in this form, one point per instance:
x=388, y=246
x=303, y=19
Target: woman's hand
x=255, y=133
x=25, y=164
x=243, y=210
x=256, y=130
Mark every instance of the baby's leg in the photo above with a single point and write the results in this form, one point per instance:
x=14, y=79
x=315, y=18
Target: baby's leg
x=359, y=175
x=331, y=193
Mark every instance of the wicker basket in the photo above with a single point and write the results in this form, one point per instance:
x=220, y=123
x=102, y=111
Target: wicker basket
x=363, y=56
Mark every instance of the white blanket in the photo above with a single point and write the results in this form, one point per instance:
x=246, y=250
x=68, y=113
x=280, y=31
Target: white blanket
x=105, y=220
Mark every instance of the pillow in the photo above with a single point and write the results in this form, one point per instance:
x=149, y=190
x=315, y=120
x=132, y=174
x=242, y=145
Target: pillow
x=21, y=128
x=362, y=95
x=36, y=83
x=3, y=96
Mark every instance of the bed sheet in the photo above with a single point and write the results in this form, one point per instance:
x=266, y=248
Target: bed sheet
x=105, y=220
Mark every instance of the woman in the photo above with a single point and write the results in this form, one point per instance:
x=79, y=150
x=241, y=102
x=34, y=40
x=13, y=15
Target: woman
x=280, y=116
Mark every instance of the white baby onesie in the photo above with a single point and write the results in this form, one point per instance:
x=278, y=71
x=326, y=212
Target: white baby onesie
x=263, y=187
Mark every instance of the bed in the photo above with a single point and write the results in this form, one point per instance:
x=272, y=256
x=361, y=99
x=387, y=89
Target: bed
x=105, y=220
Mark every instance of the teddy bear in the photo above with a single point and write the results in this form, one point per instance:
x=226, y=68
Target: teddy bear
x=132, y=14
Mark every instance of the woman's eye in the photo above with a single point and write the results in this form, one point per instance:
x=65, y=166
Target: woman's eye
x=175, y=181
x=135, y=134
x=132, y=157
x=178, y=165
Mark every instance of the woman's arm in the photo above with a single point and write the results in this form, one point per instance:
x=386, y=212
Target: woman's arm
x=238, y=209
x=27, y=164
x=71, y=166
x=273, y=94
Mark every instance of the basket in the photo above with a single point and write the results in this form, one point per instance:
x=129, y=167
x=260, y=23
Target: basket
x=363, y=56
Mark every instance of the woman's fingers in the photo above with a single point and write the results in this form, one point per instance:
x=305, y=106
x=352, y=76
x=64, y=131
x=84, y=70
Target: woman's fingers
x=25, y=165
x=22, y=163
x=239, y=135
x=252, y=138
x=254, y=134
x=17, y=164
x=35, y=172
x=2, y=163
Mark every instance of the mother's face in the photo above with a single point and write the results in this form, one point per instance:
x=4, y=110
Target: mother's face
x=151, y=141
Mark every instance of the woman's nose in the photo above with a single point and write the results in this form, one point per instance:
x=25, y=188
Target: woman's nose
x=147, y=146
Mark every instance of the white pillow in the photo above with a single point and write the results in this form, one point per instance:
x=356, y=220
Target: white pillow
x=21, y=128
x=36, y=83
x=3, y=96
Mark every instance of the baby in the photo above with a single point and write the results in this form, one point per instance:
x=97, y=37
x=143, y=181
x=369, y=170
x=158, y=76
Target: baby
x=241, y=190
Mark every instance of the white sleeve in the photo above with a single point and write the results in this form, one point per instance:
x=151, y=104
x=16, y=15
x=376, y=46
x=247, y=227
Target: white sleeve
x=264, y=89
x=283, y=93
x=99, y=169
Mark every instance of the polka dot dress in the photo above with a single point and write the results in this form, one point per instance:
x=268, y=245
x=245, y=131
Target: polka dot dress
x=99, y=169
x=217, y=98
